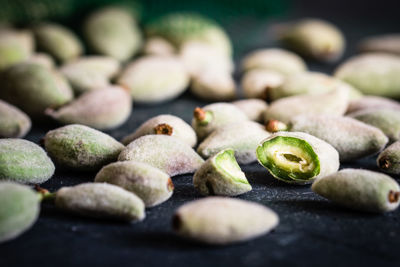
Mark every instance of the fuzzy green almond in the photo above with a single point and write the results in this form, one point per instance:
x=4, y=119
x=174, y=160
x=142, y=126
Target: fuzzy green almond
x=360, y=190
x=33, y=88
x=275, y=59
x=24, y=162
x=102, y=109
x=221, y=175
x=253, y=108
x=100, y=200
x=329, y=103
x=164, y=152
x=113, y=31
x=210, y=117
x=296, y=157
x=138, y=78
x=152, y=185
x=314, y=38
x=364, y=72
x=90, y=72
x=386, y=119
x=257, y=83
x=165, y=124
x=58, y=41
x=158, y=46
x=213, y=85
x=389, y=159
x=42, y=59
x=15, y=47
x=79, y=147
x=19, y=210
x=13, y=122
x=387, y=43
x=243, y=137
x=353, y=139
x=223, y=221
x=369, y=101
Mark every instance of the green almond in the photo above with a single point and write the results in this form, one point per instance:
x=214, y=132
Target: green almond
x=13, y=122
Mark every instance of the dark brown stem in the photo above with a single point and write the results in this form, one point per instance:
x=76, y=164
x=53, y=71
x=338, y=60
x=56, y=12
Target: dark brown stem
x=384, y=163
x=393, y=196
x=163, y=128
x=199, y=114
x=45, y=194
x=170, y=185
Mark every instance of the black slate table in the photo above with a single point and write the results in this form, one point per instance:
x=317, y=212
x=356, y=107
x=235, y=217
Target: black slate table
x=312, y=231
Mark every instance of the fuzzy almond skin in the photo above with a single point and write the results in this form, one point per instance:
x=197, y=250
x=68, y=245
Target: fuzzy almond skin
x=388, y=120
x=257, y=83
x=359, y=189
x=139, y=78
x=90, y=72
x=112, y=31
x=42, y=59
x=158, y=46
x=213, y=85
x=373, y=74
x=13, y=122
x=253, y=108
x=222, y=221
x=102, y=109
x=24, y=162
x=275, y=59
x=389, y=159
x=327, y=155
x=180, y=129
x=58, y=41
x=330, y=103
x=387, y=43
x=351, y=138
x=19, y=210
x=79, y=147
x=221, y=114
x=33, y=88
x=15, y=47
x=367, y=102
x=221, y=176
x=101, y=200
x=152, y=185
x=164, y=152
x=243, y=137
x=309, y=83
x=314, y=38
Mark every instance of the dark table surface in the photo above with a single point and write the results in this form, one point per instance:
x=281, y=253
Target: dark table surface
x=311, y=230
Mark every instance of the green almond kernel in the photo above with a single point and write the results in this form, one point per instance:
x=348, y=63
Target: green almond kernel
x=179, y=28
x=199, y=57
x=221, y=175
x=113, y=31
x=213, y=85
x=158, y=46
x=353, y=139
x=102, y=109
x=257, y=83
x=90, y=72
x=367, y=102
x=389, y=159
x=360, y=190
x=100, y=200
x=296, y=157
x=223, y=221
x=330, y=103
x=309, y=83
x=19, y=210
x=13, y=122
x=365, y=73
x=243, y=137
x=58, y=41
x=79, y=147
x=152, y=185
x=139, y=79
x=24, y=162
x=210, y=117
x=386, y=119
x=253, y=108
x=15, y=47
x=34, y=88
x=314, y=38
x=42, y=59
x=386, y=43
x=164, y=152
x=165, y=124
x=274, y=59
